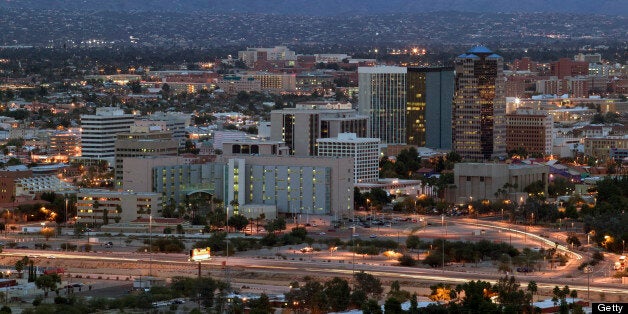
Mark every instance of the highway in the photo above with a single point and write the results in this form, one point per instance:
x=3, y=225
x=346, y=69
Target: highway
x=317, y=267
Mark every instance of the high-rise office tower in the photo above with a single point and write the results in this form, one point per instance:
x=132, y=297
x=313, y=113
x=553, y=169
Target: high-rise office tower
x=98, y=132
x=301, y=126
x=382, y=97
x=479, y=128
x=430, y=99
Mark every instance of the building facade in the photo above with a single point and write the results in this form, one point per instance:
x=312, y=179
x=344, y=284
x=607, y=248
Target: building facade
x=482, y=181
x=601, y=147
x=382, y=97
x=430, y=99
x=531, y=130
x=300, y=127
x=364, y=151
x=100, y=207
x=479, y=129
x=142, y=141
x=295, y=185
x=99, y=131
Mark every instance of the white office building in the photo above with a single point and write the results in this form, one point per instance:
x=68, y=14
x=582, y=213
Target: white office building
x=98, y=132
x=364, y=152
x=382, y=97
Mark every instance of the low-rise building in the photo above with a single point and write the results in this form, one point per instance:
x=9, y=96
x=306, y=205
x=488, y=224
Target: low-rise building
x=483, y=181
x=99, y=207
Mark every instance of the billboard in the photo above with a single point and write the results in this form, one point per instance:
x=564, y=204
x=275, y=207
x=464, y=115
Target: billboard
x=197, y=255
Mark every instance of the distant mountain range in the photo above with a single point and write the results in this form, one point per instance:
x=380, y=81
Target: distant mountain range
x=331, y=7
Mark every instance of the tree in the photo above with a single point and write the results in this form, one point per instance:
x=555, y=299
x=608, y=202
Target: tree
x=338, y=294
x=136, y=87
x=532, y=288
x=371, y=307
x=261, y=305
x=118, y=212
x=510, y=296
x=396, y=292
x=392, y=306
x=368, y=283
x=407, y=260
x=413, y=242
x=48, y=232
x=440, y=292
x=573, y=240
x=238, y=222
x=477, y=297
x=573, y=294
x=310, y=296
x=47, y=282
x=20, y=264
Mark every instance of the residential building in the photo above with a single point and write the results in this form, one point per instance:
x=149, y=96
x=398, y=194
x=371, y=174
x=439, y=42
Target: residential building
x=479, y=129
x=301, y=126
x=98, y=207
x=363, y=151
x=382, y=97
x=99, y=131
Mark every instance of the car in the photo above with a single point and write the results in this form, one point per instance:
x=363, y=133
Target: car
x=51, y=257
x=373, y=236
x=356, y=235
x=322, y=233
x=314, y=225
x=524, y=269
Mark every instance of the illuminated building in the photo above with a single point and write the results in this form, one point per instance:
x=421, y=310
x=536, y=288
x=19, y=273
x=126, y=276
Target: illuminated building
x=98, y=132
x=382, y=97
x=430, y=99
x=479, y=128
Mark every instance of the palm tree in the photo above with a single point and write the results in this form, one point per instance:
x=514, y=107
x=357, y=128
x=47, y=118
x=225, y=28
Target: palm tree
x=118, y=211
x=573, y=294
x=532, y=288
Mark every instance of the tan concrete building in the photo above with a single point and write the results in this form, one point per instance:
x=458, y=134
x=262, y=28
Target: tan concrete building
x=65, y=143
x=92, y=204
x=480, y=181
x=137, y=173
x=254, y=147
x=600, y=147
x=142, y=141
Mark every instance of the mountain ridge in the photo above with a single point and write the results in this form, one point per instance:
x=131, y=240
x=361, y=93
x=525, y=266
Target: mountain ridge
x=331, y=7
